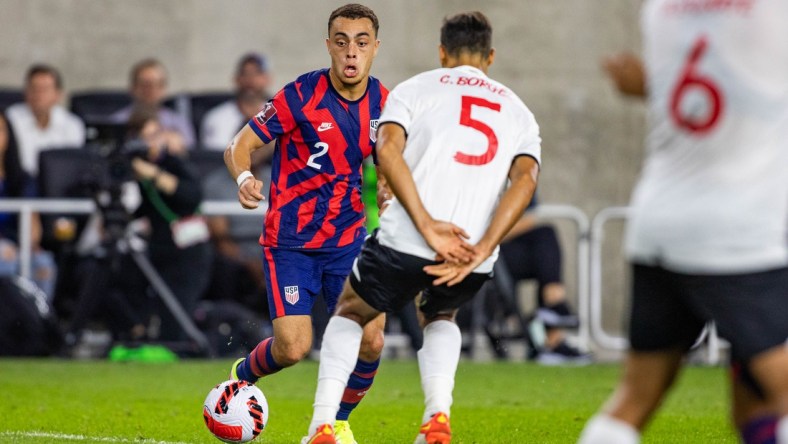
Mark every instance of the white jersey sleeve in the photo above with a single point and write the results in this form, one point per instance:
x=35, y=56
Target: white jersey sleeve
x=464, y=130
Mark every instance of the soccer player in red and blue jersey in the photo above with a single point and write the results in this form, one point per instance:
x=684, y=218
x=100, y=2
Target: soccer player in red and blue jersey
x=324, y=126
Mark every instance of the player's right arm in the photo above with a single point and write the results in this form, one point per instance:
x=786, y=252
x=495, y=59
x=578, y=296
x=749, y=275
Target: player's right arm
x=447, y=239
x=262, y=129
x=238, y=159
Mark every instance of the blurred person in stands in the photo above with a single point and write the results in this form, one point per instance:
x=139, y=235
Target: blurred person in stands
x=531, y=251
x=222, y=122
x=709, y=218
x=15, y=182
x=40, y=122
x=171, y=195
x=238, y=272
x=148, y=90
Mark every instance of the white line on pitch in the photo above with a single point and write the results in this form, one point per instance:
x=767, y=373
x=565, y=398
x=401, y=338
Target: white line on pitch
x=64, y=436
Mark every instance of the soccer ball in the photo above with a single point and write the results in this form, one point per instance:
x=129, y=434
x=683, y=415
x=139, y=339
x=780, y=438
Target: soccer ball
x=235, y=411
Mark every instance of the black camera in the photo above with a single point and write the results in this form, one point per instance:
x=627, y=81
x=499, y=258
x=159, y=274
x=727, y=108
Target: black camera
x=111, y=150
x=115, y=151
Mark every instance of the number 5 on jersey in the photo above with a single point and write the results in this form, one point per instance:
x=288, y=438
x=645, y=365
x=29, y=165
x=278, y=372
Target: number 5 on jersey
x=468, y=102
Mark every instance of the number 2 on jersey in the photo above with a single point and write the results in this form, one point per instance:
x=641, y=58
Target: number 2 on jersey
x=323, y=147
x=468, y=102
x=692, y=79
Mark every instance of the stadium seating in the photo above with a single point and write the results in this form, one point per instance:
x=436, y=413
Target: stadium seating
x=9, y=96
x=97, y=105
x=201, y=103
x=207, y=161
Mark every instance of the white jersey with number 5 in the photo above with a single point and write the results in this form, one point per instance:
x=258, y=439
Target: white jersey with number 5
x=464, y=131
x=713, y=195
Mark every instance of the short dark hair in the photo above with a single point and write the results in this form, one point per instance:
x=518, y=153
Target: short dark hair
x=252, y=58
x=354, y=11
x=41, y=68
x=143, y=65
x=466, y=31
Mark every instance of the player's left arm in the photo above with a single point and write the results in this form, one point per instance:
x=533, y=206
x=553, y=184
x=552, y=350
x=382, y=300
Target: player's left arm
x=443, y=237
x=523, y=175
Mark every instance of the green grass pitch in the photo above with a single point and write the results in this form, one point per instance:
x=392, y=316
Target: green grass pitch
x=54, y=401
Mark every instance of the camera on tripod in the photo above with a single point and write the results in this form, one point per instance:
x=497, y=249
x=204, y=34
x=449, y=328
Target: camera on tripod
x=112, y=151
x=115, y=150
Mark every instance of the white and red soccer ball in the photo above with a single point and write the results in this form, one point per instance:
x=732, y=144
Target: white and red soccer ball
x=235, y=411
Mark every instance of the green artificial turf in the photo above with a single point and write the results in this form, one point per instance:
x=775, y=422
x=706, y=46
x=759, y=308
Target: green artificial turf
x=55, y=401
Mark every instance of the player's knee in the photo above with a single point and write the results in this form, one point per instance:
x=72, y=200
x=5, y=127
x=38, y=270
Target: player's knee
x=291, y=353
x=372, y=345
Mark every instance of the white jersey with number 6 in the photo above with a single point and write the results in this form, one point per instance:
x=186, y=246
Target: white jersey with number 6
x=713, y=195
x=464, y=131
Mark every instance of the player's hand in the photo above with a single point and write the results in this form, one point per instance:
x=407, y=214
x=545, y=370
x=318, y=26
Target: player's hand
x=448, y=273
x=626, y=71
x=449, y=242
x=384, y=197
x=250, y=193
x=453, y=273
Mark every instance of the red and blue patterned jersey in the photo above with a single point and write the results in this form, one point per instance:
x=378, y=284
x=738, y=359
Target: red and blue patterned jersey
x=321, y=140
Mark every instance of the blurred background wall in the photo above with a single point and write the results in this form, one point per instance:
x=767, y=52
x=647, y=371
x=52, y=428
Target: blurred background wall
x=548, y=52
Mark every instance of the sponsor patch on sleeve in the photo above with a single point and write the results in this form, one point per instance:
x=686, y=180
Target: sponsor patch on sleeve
x=265, y=114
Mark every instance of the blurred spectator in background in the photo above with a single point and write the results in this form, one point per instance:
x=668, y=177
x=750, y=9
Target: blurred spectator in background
x=40, y=122
x=111, y=284
x=17, y=183
x=532, y=251
x=148, y=90
x=171, y=195
x=252, y=81
x=237, y=265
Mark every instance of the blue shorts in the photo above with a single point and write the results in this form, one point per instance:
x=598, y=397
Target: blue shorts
x=294, y=277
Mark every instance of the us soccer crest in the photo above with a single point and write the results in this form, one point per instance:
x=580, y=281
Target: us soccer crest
x=373, y=130
x=291, y=294
x=266, y=113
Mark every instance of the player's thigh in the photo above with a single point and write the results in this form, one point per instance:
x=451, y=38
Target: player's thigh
x=748, y=401
x=335, y=270
x=386, y=279
x=444, y=300
x=770, y=369
x=645, y=380
x=661, y=317
x=292, y=281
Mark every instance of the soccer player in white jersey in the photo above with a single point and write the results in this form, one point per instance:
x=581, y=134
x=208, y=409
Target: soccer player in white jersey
x=453, y=145
x=707, y=238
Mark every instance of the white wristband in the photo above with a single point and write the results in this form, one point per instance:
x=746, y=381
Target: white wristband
x=242, y=177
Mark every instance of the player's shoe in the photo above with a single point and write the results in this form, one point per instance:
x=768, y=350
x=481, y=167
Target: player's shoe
x=343, y=433
x=564, y=354
x=558, y=316
x=234, y=369
x=435, y=431
x=323, y=435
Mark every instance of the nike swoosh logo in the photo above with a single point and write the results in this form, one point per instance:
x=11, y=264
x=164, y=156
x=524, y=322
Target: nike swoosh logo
x=325, y=126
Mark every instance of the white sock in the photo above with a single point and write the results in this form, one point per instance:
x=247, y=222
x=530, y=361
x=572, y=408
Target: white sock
x=782, y=430
x=338, y=356
x=604, y=429
x=438, y=359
